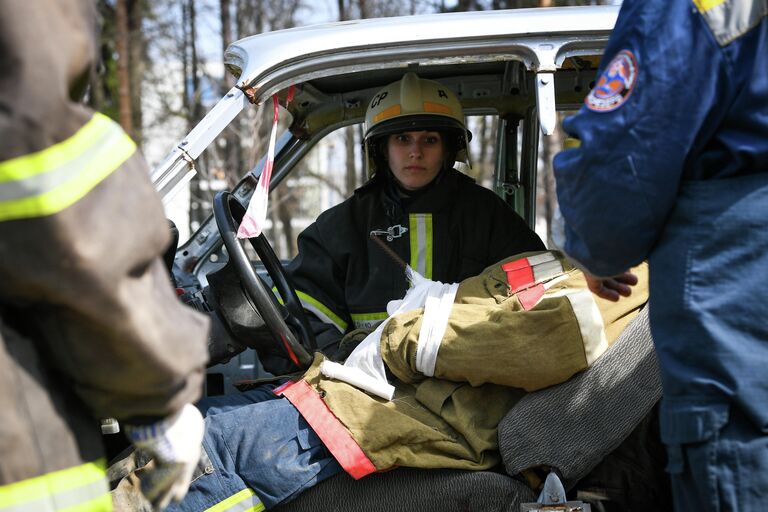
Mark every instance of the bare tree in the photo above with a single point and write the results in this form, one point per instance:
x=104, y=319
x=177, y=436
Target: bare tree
x=137, y=59
x=123, y=67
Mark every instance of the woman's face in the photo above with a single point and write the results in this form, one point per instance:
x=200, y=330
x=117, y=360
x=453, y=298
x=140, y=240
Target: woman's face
x=415, y=158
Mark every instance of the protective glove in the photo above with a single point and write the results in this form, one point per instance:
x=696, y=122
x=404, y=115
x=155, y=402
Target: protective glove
x=175, y=444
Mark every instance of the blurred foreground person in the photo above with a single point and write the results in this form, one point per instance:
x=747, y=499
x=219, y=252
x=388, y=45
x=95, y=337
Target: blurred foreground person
x=673, y=166
x=89, y=325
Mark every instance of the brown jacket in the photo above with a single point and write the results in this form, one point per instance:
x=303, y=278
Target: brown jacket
x=498, y=345
x=89, y=324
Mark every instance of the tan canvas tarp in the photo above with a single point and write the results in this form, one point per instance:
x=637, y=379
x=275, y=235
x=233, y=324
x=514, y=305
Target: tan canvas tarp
x=492, y=351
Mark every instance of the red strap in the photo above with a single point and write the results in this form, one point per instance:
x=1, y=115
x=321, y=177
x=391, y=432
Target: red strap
x=329, y=429
x=288, y=349
x=530, y=297
x=279, y=389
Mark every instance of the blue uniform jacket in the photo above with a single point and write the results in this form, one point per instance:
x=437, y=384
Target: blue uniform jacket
x=674, y=105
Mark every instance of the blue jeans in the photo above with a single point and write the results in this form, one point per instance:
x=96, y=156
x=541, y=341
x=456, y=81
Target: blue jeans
x=723, y=467
x=260, y=449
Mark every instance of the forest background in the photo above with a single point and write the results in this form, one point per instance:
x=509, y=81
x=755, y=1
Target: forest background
x=162, y=70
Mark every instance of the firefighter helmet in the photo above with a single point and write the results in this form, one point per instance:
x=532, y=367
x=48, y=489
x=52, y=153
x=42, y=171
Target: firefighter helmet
x=414, y=104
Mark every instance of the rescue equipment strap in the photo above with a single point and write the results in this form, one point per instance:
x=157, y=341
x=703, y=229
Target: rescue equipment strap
x=83, y=488
x=329, y=429
x=48, y=181
x=421, y=243
x=244, y=501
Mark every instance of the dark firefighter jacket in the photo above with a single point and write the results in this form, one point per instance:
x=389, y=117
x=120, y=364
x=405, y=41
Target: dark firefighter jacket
x=449, y=232
x=89, y=325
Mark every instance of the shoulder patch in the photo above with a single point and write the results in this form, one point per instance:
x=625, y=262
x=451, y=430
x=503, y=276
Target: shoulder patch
x=615, y=84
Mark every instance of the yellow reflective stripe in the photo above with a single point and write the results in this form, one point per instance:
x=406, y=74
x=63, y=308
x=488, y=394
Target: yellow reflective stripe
x=414, y=239
x=101, y=503
x=50, y=180
x=81, y=488
x=705, y=5
x=440, y=108
x=392, y=111
x=421, y=243
x=321, y=310
x=368, y=319
x=51, y=157
x=369, y=316
x=244, y=501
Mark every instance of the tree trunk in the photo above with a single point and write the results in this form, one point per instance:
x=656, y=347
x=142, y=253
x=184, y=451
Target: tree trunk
x=123, y=69
x=136, y=63
x=482, y=159
x=231, y=153
x=285, y=213
x=363, y=160
x=196, y=113
x=351, y=167
x=185, y=100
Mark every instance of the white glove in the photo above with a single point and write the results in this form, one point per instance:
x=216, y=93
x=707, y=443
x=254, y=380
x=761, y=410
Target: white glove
x=175, y=443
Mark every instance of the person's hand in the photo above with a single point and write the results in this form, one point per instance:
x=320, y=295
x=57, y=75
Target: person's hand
x=175, y=444
x=611, y=288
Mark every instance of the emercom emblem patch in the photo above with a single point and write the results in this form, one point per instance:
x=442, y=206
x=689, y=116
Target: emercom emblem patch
x=615, y=84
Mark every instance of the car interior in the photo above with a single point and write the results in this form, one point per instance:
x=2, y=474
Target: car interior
x=570, y=429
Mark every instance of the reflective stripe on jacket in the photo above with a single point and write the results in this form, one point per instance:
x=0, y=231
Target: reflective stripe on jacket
x=50, y=180
x=82, y=488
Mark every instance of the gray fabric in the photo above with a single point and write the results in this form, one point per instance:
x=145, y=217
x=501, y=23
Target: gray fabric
x=574, y=425
x=730, y=20
x=409, y=490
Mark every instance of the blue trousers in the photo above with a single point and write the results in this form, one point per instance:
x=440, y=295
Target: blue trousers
x=726, y=471
x=261, y=452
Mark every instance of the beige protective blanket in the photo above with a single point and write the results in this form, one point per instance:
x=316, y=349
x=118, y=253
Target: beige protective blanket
x=497, y=344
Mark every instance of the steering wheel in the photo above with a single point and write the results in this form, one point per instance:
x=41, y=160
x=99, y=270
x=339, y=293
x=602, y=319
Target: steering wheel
x=228, y=213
